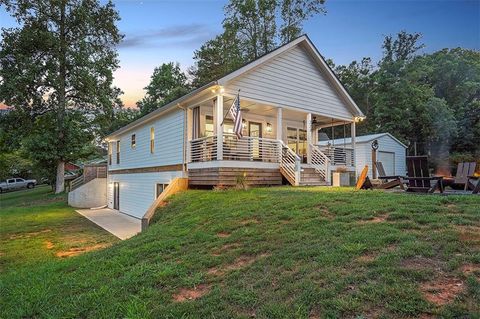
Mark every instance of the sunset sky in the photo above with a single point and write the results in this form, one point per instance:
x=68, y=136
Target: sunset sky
x=161, y=31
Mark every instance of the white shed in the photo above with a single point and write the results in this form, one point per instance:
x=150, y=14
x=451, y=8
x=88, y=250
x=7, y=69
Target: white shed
x=391, y=152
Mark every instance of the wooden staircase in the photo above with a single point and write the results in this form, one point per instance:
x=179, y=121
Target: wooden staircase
x=310, y=177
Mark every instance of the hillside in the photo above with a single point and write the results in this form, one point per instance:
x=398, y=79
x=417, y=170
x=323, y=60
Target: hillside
x=271, y=253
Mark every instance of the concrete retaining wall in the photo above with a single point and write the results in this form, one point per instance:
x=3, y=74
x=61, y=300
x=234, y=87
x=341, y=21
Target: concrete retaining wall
x=91, y=194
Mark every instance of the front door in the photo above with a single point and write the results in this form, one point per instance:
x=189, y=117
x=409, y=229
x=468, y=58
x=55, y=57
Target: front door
x=255, y=130
x=116, y=195
x=297, y=141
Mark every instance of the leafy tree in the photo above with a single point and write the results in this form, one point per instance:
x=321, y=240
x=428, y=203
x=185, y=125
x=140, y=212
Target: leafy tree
x=216, y=58
x=294, y=13
x=15, y=164
x=249, y=31
x=167, y=83
x=57, y=66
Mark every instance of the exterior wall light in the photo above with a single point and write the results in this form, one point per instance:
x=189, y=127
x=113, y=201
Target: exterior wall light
x=269, y=128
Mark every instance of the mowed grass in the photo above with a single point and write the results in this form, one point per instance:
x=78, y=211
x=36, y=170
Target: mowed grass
x=38, y=227
x=271, y=253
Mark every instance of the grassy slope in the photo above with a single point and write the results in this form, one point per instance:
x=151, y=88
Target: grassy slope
x=273, y=253
x=35, y=225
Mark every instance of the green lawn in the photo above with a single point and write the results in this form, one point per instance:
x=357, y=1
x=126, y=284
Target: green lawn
x=266, y=253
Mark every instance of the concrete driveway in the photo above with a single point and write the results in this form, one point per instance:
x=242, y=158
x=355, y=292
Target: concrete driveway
x=120, y=225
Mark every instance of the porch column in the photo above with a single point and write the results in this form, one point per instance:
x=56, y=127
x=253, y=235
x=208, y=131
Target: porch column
x=218, y=111
x=354, y=135
x=279, y=124
x=309, y=136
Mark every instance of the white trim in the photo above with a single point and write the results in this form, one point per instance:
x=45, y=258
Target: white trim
x=232, y=164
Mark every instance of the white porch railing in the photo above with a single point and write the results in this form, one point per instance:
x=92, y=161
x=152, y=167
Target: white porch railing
x=203, y=149
x=290, y=164
x=338, y=155
x=320, y=162
x=250, y=149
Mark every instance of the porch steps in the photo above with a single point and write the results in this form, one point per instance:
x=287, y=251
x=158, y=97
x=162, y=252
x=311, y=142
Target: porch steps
x=309, y=177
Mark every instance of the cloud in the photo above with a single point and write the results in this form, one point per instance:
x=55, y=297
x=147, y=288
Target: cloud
x=174, y=36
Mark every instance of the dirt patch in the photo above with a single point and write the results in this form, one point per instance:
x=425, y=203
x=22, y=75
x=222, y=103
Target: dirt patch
x=366, y=258
x=420, y=263
x=470, y=234
x=186, y=294
x=442, y=290
x=28, y=235
x=79, y=250
x=249, y=221
x=374, y=220
x=225, y=248
x=223, y=234
x=324, y=212
x=49, y=245
x=471, y=269
x=314, y=314
x=240, y=262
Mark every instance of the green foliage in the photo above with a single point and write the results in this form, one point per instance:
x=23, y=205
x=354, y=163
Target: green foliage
x=167, y=83
x=15, y=165
x=59, y=60
x=250, y=31
x=430, y=100
x=283, y=253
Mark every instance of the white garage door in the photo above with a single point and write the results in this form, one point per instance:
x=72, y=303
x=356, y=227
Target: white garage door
x=388, y=161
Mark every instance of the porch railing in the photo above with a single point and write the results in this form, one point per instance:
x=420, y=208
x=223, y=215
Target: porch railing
x=250, y=149
x=203, y=149
x=338, y=155
x=320, y=162
x=290, y=164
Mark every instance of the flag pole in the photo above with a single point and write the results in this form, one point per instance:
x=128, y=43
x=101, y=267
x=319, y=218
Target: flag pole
x=238, y=96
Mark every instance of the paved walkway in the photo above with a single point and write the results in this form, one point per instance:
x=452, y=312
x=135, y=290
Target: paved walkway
x=120, y=225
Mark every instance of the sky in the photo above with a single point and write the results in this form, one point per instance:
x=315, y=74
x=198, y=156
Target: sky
x=160, y=31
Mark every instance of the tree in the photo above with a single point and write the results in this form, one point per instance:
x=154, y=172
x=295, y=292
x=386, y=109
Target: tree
x=167, y=83
x=294, y=13
x=250, y=31
x=57, y=66
x=216, y=58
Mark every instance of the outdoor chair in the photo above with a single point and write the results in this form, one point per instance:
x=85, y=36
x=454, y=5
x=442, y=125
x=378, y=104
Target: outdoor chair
x=419, y=179
x=464, y=170
x=388, y=181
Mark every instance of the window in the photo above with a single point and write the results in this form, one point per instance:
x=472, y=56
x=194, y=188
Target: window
x=10, y=181
x=110, y=153
x=19, y=180
x=208, y=125
x=134, y=142
x=152, y=140
x=118, y=152
x=159, y=189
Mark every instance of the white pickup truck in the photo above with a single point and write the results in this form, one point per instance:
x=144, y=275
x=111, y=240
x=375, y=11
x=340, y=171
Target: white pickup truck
x=16, y=183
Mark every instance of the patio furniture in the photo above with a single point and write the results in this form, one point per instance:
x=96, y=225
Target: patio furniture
x=388, y=181
x=464, y=170
x=476, y=189
x=363, y=181
x=419, y=179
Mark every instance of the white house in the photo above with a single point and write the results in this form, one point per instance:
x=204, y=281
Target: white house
x=390, y=151
x=286, y=97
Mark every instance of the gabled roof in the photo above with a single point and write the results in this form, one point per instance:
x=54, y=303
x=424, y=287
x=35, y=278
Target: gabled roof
x=361, y=139
x=304, y=39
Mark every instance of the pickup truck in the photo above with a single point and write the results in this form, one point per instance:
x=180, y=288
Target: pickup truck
x=16, y=183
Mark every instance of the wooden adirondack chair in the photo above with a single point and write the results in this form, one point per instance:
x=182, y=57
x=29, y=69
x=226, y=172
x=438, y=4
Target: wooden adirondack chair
x=464, y=170
x=419, y=179
x=476, y=189
x=388, y=181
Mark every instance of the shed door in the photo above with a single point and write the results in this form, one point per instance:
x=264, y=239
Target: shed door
x=388, y=161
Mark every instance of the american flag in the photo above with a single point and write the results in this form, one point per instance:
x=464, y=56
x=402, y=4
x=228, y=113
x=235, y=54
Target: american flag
x=237, y=116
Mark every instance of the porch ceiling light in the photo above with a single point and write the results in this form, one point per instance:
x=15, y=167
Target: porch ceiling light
x=359, y=118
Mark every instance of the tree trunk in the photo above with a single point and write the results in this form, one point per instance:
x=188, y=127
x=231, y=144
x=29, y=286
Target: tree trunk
x=60, y=180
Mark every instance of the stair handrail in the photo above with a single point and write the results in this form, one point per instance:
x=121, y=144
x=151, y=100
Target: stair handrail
x=77, y=182
x=289, y=164
x=320, y=162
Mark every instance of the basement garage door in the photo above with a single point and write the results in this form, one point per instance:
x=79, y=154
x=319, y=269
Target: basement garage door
x=388, y=161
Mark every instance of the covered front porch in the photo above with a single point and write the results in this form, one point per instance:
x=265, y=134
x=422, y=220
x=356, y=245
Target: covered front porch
x=275, y=138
